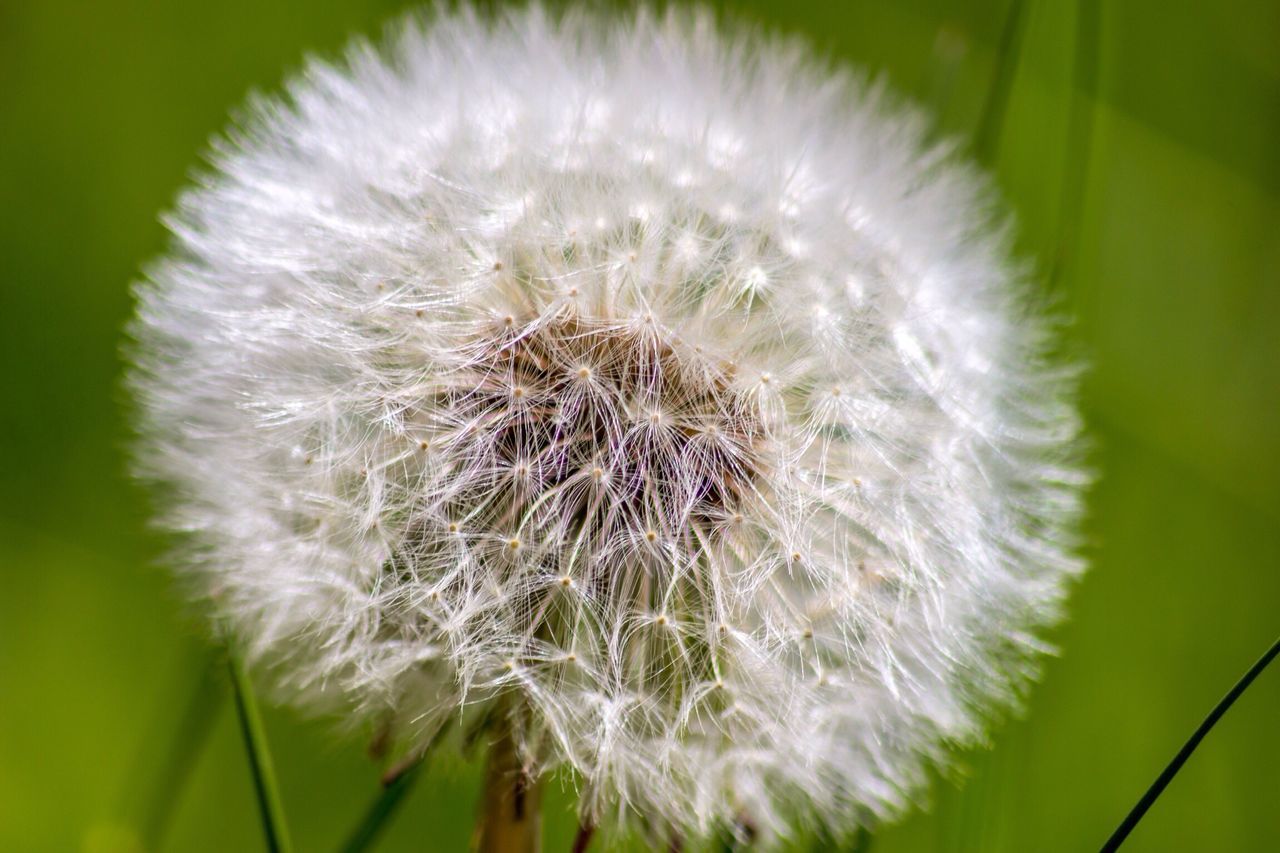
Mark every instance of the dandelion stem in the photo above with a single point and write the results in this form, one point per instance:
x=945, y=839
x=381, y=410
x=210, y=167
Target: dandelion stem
x=582, y=839
x=264, y=775
x=510, y=819
x=1162, y=781
x=382, y=808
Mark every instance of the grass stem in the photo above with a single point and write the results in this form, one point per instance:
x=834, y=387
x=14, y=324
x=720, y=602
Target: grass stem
x=274, y=828
x=1162, y=781
x=991, y=124
x=195, y=722
x=382, y=808
x=1080, y=123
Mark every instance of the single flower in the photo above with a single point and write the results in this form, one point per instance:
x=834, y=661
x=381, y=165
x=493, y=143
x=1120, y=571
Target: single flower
x=657, y=391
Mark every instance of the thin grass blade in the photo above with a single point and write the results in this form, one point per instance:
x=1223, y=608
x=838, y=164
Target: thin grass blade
x=1162, y=781
x=274, y=828
x=195, y=722
x=381, y=810
x=1084, y=95
x=990, y=126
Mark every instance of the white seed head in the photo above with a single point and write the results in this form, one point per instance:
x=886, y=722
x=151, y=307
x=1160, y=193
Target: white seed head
x=630, y=345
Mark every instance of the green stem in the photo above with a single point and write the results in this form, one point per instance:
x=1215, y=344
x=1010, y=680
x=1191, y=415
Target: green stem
x=992, y=122
x=859, y=842
x=381, y=810
x=1084, y=92
x=1162, y=781
x=264, y=776
x=194, y=725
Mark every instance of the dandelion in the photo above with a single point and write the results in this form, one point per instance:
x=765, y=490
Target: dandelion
x=655, y=395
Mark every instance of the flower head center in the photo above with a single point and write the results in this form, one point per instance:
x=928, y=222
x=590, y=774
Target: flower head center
x=616, y=433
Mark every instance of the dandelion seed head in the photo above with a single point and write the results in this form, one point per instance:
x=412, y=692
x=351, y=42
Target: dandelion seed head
x=651, y=374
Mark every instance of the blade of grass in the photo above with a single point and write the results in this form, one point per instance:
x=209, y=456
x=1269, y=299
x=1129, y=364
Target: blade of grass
x=1162, y=781
x=396, y=783
x=950, y=49
x=274, y=829
x=195, y=722
x=1084, y=94
x=987, y=140
x=381, y=810
x=859, y=842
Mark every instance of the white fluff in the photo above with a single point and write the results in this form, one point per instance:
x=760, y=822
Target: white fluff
x=661, y=381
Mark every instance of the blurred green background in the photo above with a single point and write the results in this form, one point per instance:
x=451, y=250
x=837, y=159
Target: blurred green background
x=1138, y=142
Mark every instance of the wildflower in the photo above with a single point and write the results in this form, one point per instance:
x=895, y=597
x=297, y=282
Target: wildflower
x=659, y=389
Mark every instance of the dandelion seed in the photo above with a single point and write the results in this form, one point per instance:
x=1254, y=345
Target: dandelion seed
x=798, y=228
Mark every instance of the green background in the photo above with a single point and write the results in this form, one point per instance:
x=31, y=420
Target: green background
x=1140, y=148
